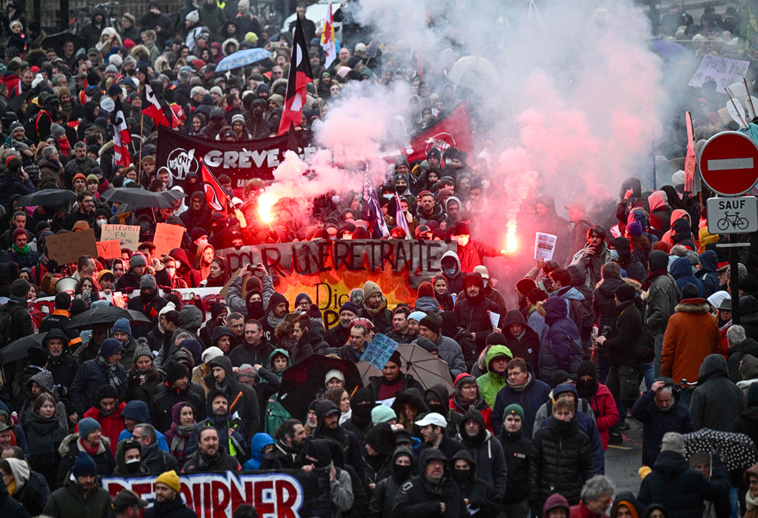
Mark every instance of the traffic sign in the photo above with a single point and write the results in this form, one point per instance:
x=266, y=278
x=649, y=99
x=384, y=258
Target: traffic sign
x=729, y=163
x=734, y=215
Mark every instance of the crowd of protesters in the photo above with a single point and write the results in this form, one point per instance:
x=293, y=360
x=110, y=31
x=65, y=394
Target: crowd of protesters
x=631, y=320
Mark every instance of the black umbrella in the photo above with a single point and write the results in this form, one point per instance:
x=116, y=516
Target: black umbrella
x=173, y=195
x=47, y=198
x=19, y=349
x=136, y=198
x=56, y=41
x=105, y=315
x=301, y=383
x=736, y=449
x=19, y=100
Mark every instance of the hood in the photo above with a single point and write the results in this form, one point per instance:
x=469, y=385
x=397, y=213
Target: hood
x=657, y=200
x=464, y=454
x=44, y=379
x=175, y=411
x=476, y=415
x=681, y=267
x=180, y=255
x=138, y=410
x=5, y=412
x=454, y=256
x=323, y=408
x=220, y=331
x=679, y=214
x=579, y=272
x=56, y=333
x=476, y=280
x=670, y=464
x=554, y=501
x=190, y=317
x=623, y=247
x=21, y=472
x=427, y=305
x=714, y=366
x=571, y=293
x=401, y=451
x=440, y=391
x=708, y=261
x=257, y=443
x=274, y=353
x=639, y=216
x=276, y=299
x=565, y=387
x=659, y=259
x=548, y=202
x=195, y=348
x=631, y=183
x=514, y=317
x=498, y=350
x=555, y=309
x=627, y=499
x=431, y=454
x=751, y=401
x=749, y=368
x=225, y=363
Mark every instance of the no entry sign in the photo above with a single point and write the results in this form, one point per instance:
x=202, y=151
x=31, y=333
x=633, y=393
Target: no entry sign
x=729, y=163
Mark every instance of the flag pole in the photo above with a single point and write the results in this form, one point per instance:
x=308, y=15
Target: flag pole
x=139, y=158
x=228, y=199
x=318, y=103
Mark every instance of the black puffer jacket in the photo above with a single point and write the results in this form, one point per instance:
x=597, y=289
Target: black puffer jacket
x=516, y=449
x=625, y=334
x=716, y=401
x=603, y=303
x=681, y=490
x=386, y=489
x=526, y=345
x=560, y=461
x=246, y=405
x=420, y=498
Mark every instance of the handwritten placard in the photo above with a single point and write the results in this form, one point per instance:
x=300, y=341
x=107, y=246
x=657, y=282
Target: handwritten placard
x=110, y=249
x=379, y=350
x=127, y=235
x=167, y=237
x=68, y=247
x=724, y=71
x=544, y=246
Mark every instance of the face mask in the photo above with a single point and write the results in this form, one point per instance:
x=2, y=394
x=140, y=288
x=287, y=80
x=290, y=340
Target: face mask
x=461, y=475
x=101, y=222
x=449, y=271
x=133, y=466
x=403, y=472
x=614, y=255
x=388, y=196
x=400, y=188
x=436, y=407
x=586, y=389
x=335, y=199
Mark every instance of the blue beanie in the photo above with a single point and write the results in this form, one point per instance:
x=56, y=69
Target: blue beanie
x=302, y=296
x=84, y=465
x=87, y=426
x=122, y=325
x=417, y=316
x=349, y=306
x=110, y=347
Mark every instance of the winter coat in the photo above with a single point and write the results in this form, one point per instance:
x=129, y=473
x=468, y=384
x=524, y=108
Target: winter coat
x=527, y=345
x=111, y=425
x=472, y=254
x=246, y=353
x=45, y=380
x=747, y=422
x=63, y=368
x=578, y=236
x=516, y=449
x=406, y=382
x=707, y=274
x=628, y=261
x=71, y=447
x=560, y=461
x=657, y=422
x=486, y=451
x=473, y=314
x=199, y=463
x=606, y=414
x=176, y=508
x=490, y=383
x=351, y=448
x=736, y=354
x=603, y=303
x=455, y=281
x=681, y=490
x=166, y=397
x=9, y=508
x=716, y=401
x=451, y=353
x=480, y=405
x=592, y=263
x=89, y=378
x=625, y=334
x=681, y=271
x=71, y=501
x=144, y=391
x=386, y=489
x=158, y=461
x=663, y=296
x=246, y=406
x=531, y=399
x=563, y=349
x=691, y=335
x=419, y=498
x=588, y=426
x=44, y=436
x=20, y=319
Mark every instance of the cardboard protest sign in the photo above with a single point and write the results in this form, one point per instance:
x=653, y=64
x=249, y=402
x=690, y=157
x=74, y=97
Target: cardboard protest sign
x=723, y=71
x=167, y=237
x=544, y=246
x=67, y=248
x=128, y=235
x=110, y=249
x=379, y=350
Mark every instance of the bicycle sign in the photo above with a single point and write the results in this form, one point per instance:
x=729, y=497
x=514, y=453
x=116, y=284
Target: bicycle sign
x=734, y=215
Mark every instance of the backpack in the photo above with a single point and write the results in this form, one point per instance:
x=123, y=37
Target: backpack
x=276, y=414
x=6, y=327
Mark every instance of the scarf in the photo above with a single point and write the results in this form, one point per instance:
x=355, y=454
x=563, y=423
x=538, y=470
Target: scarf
x=21, y=251
x=111, y=371
x=183, y=432
x=465, y=405
x=272, y=320
x=654, y=275
x=751, y=502
x=520, y=388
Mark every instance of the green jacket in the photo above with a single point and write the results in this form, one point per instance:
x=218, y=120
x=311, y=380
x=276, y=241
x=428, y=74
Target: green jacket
x=71, y=501
x=491, y=383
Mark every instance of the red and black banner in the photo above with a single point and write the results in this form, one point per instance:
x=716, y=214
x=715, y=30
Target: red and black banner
x=299, y=76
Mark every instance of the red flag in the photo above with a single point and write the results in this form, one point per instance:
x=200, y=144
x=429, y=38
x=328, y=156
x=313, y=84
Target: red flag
x=121, y=137
x=452, y=131
x=214, y=193
x=158, y=109
x=299, y=76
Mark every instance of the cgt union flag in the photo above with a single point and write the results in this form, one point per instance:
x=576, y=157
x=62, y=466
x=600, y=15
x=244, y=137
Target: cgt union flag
x=214, y=193
x=121, y=137
x=299, y=76
x=452, y=131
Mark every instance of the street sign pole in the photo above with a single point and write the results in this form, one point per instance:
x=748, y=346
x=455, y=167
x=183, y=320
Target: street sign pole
x=734, y=275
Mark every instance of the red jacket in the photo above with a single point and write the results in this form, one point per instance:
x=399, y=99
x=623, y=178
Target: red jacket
x=471, y=254
x=581, y=511
x=606, y=414
x=111, y=425
x=482, y=406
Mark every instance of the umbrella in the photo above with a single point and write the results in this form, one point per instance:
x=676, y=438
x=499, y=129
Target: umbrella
x=736, y=449
x=47, y=198
x=425, y=368
x=136, y=198
x=302, y=382
x=105, y=315
x=19, y=100
x=670, y=49
x=473, y=72
x=56, y=41
x=242, y=58
x=19, y=349
x=173, y=195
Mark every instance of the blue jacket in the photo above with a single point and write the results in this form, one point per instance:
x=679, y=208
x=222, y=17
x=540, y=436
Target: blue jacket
x=257, y=443
x=563, y=348
x=708, y=273
x=18, y=432
x=89, y=378
x=681, y=271
x=658, y=422
x=530, y=399
x=10, y=185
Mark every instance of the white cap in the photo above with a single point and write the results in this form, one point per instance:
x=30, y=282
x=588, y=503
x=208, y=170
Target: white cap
x=432, y=418
x=482, y=270
x=334, y=373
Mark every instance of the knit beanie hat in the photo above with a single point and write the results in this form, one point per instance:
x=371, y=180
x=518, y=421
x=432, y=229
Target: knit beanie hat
x=84, y=464
x=19, y=288
x=634, y=228
x=425, y=344
x=658, y=259
x=433, y=322
x=425, y=289
x=370, y=289
x=110, y=347
x=416, y=316
x=87, y=426
x=348, y=306
x=495, y=339
x=586, y=368
x=513, y=408
x=148, y=281
x=174, y=371
x=625, y=293
x=382, y=439
x=142, y=349
x=170, y=478
x=673, y=441
x=210, y=353
x=18, y=232
x=106, y=391
x=122, y=325
x=382, y=414
x=138, y=259
x=559, y=376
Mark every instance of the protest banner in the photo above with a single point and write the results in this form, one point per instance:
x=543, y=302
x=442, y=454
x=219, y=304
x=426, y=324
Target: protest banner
x=68, y=247
x=241, y=161
x=328, y=270
x=723, y=71
x=544, y=246
x=274, y=494
x=379, y=350
x=128, y=235
x=110, y=249
x=167, y=237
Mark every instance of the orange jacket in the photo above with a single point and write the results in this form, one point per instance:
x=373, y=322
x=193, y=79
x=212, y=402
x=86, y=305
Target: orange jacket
x=691, y=335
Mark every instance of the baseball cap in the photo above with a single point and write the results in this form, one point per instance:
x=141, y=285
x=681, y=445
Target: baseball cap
x=482, y=270
x=574, y=206
x=126, y=499
x=432, y=418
